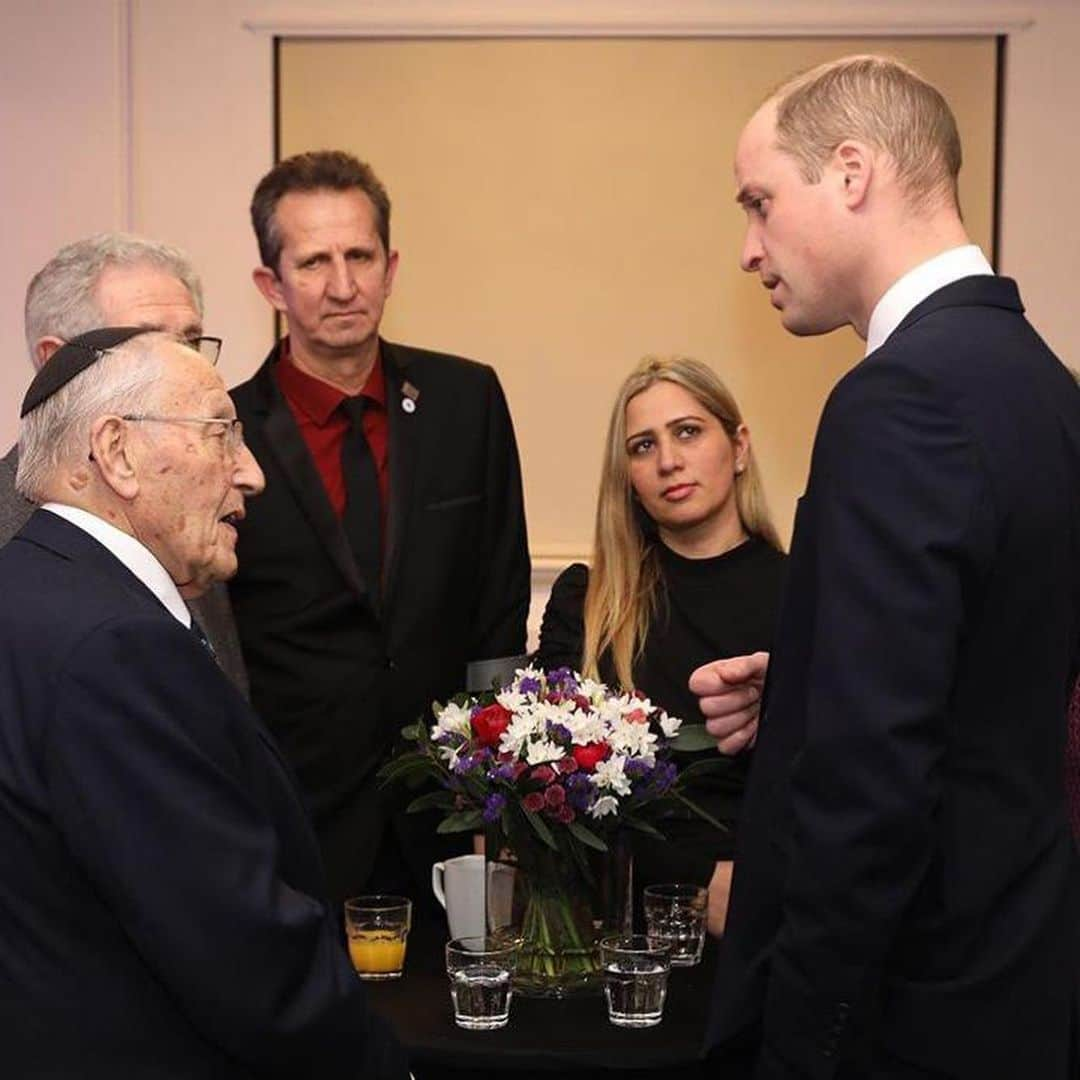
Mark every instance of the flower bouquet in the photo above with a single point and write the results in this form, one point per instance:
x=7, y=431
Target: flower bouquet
x=555, y=769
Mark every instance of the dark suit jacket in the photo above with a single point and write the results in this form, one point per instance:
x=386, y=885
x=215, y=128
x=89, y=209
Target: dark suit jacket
x=211, y=609
x=336, y=674
x=160, y=903
x=902, y=902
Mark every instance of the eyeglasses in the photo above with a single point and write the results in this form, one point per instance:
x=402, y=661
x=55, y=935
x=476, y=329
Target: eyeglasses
x=232, y=431
x=208, y=347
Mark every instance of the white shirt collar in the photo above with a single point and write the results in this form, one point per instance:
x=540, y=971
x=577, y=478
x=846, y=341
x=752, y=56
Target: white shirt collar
x=134, y=555
x=916, y=285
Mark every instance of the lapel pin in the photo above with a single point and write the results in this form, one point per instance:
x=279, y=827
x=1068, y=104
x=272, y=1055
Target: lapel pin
x=408, y=402
x=408, y=405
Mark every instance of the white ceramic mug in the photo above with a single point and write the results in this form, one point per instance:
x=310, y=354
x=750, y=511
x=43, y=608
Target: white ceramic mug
x=458, y=885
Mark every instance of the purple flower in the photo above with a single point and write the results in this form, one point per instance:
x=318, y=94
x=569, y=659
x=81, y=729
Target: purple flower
x=503, y=771
x=529, y=685
x=664, y=776
x=580, y=791
x=562, y=681
x=493, y=807
x=466, y=763
x=559, y=732
x=636, y=768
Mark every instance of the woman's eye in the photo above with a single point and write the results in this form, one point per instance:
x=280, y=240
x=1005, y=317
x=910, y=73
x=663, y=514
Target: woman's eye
x=642, y=447
x=688, y=431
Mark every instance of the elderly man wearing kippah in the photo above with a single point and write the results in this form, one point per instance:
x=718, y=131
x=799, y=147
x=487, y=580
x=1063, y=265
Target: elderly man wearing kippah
x=162, y=907
x=116, y=279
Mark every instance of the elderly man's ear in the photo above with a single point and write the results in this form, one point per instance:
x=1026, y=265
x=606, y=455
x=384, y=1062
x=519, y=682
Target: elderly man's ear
x=44, y=348
x=111, y=449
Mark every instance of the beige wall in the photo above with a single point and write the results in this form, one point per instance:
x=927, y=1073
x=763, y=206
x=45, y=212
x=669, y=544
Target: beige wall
x=563, y=207
x=162, y=122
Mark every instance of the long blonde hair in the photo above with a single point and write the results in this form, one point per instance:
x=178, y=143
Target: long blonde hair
x=625, y=581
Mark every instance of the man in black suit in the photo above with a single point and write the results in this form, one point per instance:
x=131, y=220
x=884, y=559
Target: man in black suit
x=389, y=551
x=904, y=901
x=161, y=907
x=113, y=279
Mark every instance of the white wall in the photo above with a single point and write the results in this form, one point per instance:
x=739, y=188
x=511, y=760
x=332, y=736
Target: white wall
x=156, y=115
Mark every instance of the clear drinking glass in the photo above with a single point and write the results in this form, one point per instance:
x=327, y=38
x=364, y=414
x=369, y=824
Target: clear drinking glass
x=635, y=979
x=675, y=916
x=481, y=971
x=377, y=928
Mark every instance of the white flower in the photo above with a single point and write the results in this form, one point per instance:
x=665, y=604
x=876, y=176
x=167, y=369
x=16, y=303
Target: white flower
x=542, y=751
x=520, y=729
x=670, y=725
x=450, y=754
x=610, y=774
x=512, y=700
x=634, y=740
x=606, y=804
x=452, y=720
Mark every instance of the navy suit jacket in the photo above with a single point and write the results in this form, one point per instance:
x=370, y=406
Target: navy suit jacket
x=211, y=609
x=904, y=899
x=338, y=668
x=161, y=910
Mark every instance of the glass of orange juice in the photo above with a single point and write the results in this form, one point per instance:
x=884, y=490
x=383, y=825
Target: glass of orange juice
x=377, y=928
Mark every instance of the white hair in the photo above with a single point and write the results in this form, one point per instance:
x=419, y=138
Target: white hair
x=61, y=300
x=56, y=434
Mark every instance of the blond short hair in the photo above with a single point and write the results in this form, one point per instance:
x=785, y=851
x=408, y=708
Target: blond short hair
x=882, y=102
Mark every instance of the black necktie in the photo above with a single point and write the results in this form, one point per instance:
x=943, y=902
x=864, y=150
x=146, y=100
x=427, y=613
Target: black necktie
x=204, y=641
x=361, y=517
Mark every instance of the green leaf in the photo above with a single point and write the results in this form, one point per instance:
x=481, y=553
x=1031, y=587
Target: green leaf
x=412, y=732
x=462, y=821
x=703, y=814
x=643, y=827
x=693, y=737
x=438, y=800
x=586, y=836
x=407, y=766
x=541, y=829
x=702, y=767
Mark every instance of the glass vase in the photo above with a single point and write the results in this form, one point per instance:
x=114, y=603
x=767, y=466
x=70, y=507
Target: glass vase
x=560, y=904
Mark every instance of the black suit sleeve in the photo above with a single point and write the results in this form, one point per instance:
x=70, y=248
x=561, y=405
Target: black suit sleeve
x=562, y=630
x=902, y=518
x=502, y=603
x=154, y=774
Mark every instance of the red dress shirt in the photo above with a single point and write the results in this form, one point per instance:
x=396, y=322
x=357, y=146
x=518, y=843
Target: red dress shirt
x=315, y=407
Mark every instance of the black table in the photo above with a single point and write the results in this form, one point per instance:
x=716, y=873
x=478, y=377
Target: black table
x=572, y=1036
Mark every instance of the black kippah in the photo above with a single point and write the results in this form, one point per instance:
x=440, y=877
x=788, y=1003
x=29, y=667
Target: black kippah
x=73, y=357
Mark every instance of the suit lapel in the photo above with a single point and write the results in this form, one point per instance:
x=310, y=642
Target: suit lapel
x=405, y=425
x=287, y=447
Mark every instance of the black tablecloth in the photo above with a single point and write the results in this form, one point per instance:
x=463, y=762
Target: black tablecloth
x=572, y=1037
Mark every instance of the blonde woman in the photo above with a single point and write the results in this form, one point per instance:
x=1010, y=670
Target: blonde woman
x=686, y=567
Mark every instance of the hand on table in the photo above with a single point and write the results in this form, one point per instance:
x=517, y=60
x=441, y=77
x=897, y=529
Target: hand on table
x=729, y=693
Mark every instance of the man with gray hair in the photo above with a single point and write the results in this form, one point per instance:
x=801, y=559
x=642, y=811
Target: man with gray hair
x=162, y=908
x=114, y=279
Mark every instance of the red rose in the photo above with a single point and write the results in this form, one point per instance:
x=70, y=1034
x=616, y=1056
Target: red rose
x=555, y=796
x=582, y=702
x=533, y=802
x=543, y=773
x=489, y=724
x=588, y=755
x=565, y=814
x=637, y=717
x=566, y=765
